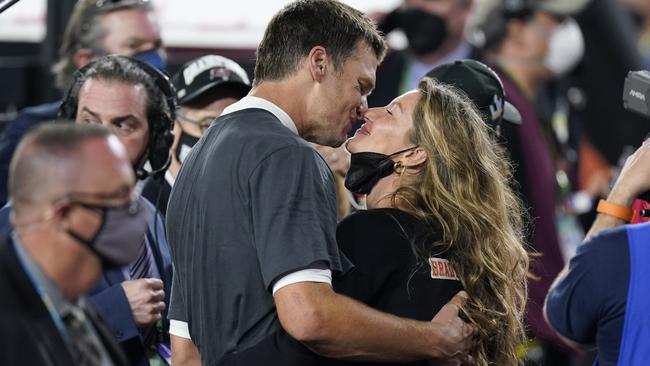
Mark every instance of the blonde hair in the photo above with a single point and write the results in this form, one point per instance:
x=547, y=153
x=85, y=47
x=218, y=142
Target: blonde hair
x=463, y=190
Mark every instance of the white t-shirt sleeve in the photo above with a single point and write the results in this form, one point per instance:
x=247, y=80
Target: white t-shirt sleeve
x=179, y=328
x=305, y=275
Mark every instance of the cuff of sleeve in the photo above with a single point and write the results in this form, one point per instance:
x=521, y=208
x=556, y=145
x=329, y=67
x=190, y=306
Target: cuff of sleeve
x=179, y=329
x=305, y=275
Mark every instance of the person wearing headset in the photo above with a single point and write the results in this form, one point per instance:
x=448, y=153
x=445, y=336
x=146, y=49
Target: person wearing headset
x=137, y=102
x=95, y=28
x=204, y=87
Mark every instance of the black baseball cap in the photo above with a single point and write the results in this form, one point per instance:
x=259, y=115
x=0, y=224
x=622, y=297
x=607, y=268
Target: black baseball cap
x=482, y=85
x=205, y=73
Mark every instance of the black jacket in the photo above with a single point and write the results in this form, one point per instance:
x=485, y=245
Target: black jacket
x=28, y=335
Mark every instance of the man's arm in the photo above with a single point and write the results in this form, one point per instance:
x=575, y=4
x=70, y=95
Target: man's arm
x=633, y=181
x=336, y=326
x=184, y=352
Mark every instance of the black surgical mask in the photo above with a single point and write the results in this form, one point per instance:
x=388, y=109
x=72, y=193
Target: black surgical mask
x=185, y=145
x=120, y=235
x=367, y=168
x=425, y=32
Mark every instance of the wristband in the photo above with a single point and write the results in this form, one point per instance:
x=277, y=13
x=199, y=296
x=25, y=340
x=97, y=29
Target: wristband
x=612, y=209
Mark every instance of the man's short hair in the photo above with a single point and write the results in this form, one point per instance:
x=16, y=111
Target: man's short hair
x=304, y=24
x=44, y=157
x=84, y=31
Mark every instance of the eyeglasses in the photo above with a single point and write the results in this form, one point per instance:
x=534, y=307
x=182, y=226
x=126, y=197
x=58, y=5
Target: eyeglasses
x=203, y=124
x=99, y=201
x=113, y=4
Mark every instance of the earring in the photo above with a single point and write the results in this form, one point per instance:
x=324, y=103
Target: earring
x=398, y=165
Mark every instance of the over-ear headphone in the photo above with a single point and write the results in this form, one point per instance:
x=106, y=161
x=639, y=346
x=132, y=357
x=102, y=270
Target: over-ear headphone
x=160, y=123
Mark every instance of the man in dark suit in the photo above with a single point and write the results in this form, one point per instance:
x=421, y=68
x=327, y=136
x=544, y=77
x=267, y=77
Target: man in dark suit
x=71, y=187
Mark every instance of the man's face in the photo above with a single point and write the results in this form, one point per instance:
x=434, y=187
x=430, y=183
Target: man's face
x=195, y=122
x=107, y=180
x=119, y=106
x=130, y=31
x=454, y=12
x=342, y=96
x=535, y=38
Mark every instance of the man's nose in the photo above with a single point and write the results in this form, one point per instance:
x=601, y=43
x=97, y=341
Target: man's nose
x=363, y=107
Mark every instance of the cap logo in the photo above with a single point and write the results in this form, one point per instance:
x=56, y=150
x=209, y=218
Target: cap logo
x=213, y=62
x=220, y=73
x=496, y=108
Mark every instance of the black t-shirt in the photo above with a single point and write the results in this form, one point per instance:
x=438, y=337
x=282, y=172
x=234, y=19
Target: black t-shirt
x=387, y=276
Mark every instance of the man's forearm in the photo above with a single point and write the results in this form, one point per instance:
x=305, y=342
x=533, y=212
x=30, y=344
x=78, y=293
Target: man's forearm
x=348, y=329
x=619, y=196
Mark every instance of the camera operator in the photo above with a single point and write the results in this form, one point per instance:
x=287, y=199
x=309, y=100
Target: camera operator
x=601, y=298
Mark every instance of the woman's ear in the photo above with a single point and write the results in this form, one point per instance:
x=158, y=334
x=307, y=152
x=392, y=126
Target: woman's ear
x=414, y=157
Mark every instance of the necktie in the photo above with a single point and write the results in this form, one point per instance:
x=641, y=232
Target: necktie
x=88, y=348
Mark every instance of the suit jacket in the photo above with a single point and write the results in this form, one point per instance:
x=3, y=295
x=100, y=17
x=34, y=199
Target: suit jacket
x=28, y=335
x=109, y=297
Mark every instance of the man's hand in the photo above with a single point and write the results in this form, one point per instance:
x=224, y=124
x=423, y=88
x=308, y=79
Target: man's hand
x=146, y=299
x=337, y=158
x=455, y=337
x=634, y=178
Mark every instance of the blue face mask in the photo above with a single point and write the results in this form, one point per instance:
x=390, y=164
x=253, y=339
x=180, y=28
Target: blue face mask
x=153, y=58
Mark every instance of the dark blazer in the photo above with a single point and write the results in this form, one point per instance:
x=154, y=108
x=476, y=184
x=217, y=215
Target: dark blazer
x=28, y=335
x=109, y=297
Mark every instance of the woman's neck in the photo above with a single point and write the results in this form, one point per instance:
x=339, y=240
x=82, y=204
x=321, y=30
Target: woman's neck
x=381, y=194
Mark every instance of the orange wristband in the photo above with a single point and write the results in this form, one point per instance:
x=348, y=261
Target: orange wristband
x=612, y=209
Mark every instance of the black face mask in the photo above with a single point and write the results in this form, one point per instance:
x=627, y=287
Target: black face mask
x=185, y=145
x=426, y=32
x=367, y=168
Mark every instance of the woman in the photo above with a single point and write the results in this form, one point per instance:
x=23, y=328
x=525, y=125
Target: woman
x=441, y=218
x=435, y=179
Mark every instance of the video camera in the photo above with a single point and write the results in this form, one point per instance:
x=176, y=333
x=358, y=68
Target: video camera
x=636, y=98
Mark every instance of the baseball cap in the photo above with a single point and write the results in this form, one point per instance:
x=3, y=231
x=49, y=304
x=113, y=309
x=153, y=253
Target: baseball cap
x=205, y=73
x=482, y=85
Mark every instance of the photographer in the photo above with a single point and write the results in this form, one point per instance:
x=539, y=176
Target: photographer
x=601, y=297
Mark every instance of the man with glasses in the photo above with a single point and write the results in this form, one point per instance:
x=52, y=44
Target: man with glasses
x=71, y=187
x=204, y=87
x=95, y=28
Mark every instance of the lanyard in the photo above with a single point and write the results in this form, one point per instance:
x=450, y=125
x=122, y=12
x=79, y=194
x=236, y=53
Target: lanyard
x=44, y=298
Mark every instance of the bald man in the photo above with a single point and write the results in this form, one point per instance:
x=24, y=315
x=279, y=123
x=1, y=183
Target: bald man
x=71, y=186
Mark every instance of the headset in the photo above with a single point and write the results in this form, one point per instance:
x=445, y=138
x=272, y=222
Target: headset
x=160, y=125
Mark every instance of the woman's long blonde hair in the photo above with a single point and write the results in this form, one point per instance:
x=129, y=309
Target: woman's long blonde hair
x=463, y=189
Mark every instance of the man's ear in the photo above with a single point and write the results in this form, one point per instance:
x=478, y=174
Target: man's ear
x=415, y=157
x=317, y=61
x=82, y=57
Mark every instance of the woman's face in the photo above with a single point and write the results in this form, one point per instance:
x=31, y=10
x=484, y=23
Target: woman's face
x=387, y=129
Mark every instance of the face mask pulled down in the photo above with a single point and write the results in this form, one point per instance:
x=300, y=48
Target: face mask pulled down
x=185, y=145
x=367, y=168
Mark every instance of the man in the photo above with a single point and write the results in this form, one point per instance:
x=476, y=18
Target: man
x=435, y=33
x=128, y=96
x=95, y=28
x=70, y=186
x=528, y=43
x=252, y=215
x=601, y=297
x=204, y=87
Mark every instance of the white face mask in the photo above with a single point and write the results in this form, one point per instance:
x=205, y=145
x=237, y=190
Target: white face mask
x=565, y=48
